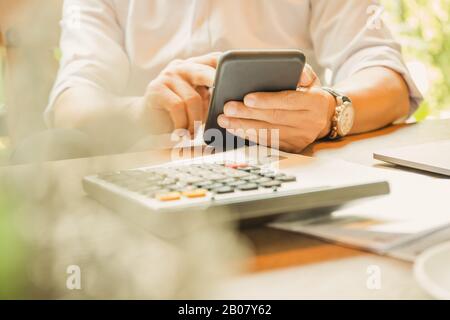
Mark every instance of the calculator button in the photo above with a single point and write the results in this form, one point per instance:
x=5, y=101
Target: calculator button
x=248, y=168
x=287, y=179
x=198, y=193
x=193, y=180
x=252, y=178
x=271, y=184
x=161, y=172
x=271, y=175
x=236, y=165
x=169, y=196
x=248, y=187
x=215, y=186
x=223, y=190
x=238, y=174
x=228, y=181
x=167, y=182
x=204, y=184
x=179, y=186
x=237, y=183
x=262, y=180
x=217, y=177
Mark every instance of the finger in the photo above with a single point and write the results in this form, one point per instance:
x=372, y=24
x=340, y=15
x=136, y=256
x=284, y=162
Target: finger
x=264, y=138
x=308, y=77
x=210, y=59
x=271, y=136
x=163, y=97
x=192, y=100
x=197, y=74
x=258, y=131
x=206, y=96
x=274, y=116
x=285, y=100
x=248, y=124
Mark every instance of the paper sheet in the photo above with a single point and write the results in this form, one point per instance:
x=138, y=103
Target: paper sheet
x=417, y=206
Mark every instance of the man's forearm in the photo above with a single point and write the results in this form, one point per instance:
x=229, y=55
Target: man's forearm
x=380, y=97
x=111, y=121
x=80, y=107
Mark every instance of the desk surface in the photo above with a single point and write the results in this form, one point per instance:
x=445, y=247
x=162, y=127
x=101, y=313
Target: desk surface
x=296, y=266
x=288, y=265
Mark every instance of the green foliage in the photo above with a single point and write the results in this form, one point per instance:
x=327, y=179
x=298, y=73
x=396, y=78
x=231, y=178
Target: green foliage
x=423, y=27
x=12, y=263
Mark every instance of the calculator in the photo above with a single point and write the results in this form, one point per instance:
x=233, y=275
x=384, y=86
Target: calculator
x=249, y=191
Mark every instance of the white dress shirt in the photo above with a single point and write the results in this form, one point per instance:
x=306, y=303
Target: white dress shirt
x=121, y=45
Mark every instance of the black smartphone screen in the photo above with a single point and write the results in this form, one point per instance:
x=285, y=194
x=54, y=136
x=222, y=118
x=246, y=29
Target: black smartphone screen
x=242, y=72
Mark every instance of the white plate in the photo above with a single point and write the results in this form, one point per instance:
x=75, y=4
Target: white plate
x=432, y=271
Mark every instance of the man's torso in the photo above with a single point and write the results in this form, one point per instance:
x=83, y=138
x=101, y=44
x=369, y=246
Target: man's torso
x=158, y=31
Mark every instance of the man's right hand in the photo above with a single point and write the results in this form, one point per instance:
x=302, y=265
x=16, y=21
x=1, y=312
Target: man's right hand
x=182, y=91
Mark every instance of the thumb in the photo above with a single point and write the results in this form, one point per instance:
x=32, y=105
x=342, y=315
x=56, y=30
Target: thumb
x=308, y=77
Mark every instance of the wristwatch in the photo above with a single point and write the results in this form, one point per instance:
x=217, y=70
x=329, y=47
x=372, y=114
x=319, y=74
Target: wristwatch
x=344, y=115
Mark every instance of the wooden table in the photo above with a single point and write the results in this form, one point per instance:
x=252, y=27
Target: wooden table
x=283, y=264
x=357, y=149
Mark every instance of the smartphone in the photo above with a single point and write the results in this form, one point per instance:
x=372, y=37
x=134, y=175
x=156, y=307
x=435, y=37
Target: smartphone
x=242, y=72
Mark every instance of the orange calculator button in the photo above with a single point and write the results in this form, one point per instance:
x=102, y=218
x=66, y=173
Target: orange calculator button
x=199, y=193
x=170, y=196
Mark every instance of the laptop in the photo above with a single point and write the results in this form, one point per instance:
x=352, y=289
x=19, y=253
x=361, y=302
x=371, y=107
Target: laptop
x=432, y=157
x=247, y=185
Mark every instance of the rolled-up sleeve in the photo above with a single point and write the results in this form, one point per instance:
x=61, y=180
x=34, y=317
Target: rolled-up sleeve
x=348, y=37
x=92, y=47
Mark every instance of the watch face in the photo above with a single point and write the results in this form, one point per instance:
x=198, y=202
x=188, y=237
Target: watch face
x=346, y=119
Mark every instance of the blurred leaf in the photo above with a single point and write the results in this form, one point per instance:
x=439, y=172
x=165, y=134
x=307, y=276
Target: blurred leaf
x=57, y=54
x=423, y=112
x=423, y=27
x=12, y=263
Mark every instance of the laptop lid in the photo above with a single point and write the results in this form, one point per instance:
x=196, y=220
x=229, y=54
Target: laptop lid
x=432, y=157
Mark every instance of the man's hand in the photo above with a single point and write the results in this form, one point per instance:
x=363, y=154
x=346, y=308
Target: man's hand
x=301, y=116
x=181, y=90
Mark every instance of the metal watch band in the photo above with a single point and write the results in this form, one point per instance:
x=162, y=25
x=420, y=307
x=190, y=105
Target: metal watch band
x=340, y=100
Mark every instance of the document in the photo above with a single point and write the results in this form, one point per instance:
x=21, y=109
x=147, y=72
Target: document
x=415, y=216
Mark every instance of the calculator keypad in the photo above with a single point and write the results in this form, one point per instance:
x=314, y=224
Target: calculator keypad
x=197, y=180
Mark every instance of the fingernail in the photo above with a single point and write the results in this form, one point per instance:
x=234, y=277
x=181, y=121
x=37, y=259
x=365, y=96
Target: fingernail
x=250, y=101
x=306, y=78
x=223, y=121
x=181, y=132
x=230, y=109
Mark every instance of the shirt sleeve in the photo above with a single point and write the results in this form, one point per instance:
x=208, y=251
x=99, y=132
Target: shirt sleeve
x=92, y=47
x=347, y=37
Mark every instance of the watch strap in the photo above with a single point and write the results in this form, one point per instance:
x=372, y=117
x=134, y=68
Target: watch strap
x=341, y=99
